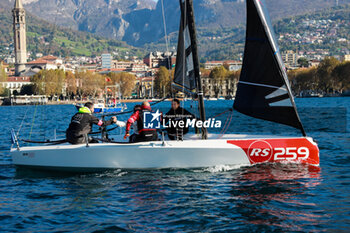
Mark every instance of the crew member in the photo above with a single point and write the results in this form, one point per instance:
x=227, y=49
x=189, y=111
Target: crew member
x=81, y=124
x=143, y=134
x=134, y=125
x=176, y=114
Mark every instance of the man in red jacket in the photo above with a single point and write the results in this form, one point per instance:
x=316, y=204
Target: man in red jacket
x=143, y=134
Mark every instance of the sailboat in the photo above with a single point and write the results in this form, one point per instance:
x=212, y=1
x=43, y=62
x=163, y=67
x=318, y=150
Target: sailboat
x=263, y=92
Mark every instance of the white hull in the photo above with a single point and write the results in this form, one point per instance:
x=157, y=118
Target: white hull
x=170, y=154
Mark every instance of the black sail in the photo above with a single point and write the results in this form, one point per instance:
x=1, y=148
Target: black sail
x=184, y=76
x=263, y=89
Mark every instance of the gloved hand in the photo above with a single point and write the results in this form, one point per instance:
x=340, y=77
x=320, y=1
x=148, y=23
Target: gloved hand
x=126, y=135
x=114, y=119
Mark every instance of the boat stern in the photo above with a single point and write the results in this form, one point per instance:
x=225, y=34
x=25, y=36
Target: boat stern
x=280, y=150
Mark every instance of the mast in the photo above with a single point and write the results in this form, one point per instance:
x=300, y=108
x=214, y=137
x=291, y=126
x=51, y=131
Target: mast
x=193, y=37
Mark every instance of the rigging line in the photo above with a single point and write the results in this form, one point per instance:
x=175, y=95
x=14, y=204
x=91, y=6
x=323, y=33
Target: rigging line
x=230, y=109
x=227, y=125
x=184, y=52
x=20, y=126
x=223, y=128
x=43, y=119
x=31, y=128
x=54, y=28
x=165, y=35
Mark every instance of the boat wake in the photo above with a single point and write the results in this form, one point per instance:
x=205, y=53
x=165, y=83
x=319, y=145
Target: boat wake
x=220, y=168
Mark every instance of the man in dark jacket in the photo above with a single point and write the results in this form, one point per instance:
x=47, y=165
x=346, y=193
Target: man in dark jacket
x=176, y=114
x=81, y=124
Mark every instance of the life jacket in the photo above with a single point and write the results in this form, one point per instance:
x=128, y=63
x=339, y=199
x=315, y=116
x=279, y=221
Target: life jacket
x=84, y=110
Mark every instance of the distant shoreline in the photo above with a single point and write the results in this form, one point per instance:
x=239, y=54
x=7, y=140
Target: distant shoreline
x=71, y=102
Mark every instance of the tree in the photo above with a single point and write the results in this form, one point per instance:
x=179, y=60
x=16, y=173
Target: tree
x=27, y=89
x=6, y=92
x=71, y=84
x=205, y=78
x=226, y=66
x=218, y=75
x=125, y=81
x=303, y=62
x=232, y=78
x=90, y=84
x=341, y=73
x=303, y=79
x=162, y=82
x=49, y=82
x=3, y=77
x=325, y=80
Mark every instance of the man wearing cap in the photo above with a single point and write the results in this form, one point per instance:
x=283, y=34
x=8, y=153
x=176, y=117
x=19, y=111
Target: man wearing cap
x=81, y=124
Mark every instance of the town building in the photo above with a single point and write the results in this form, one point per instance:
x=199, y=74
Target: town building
x=212, y=88
x=16, y=83
x=19, y=34
x=145, y=87
x=5, y=66
x=346, y=57
x=232, y=65
x=158, y=59
x=106, y=60
x=314, y=63
x=44, y=63
x=124, y=65
x=290, y=58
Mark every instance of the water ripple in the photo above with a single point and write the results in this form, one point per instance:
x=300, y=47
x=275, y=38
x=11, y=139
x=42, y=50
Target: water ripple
x=261, y=198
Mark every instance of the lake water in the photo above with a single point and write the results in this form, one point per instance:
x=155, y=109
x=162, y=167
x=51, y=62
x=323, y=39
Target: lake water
x=262, y=198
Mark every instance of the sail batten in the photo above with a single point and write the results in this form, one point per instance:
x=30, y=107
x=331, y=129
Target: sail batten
x=263, y=90
x=261, y=85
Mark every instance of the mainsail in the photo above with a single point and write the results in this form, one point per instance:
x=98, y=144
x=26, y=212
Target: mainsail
x=187, y=76
x=263, y=89
x=184, y=76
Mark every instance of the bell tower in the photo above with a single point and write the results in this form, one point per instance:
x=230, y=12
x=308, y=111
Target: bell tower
x=19, y=33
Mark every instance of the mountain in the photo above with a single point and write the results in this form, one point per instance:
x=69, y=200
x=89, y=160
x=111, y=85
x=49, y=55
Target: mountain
x=218, y=37
x=140, y=22
x=108, y=18
x=46, y=38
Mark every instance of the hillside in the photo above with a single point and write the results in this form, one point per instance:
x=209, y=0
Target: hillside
x=46, y=38
x=139, y=22
x=325, y=27
x=215, y=43
x=328, y=30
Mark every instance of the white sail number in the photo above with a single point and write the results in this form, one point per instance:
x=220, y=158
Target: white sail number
x=291, y=153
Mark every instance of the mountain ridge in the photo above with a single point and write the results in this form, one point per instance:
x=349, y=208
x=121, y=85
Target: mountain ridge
x=46, y=38
x=140, y=22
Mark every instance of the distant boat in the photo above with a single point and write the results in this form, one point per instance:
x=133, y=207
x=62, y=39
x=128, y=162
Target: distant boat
x=346, y=93
x=100, y=107
x=263, y=92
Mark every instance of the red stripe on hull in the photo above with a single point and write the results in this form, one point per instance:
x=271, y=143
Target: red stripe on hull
x=299, y=150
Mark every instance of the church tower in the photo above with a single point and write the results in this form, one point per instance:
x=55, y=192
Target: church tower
x=19, y=33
